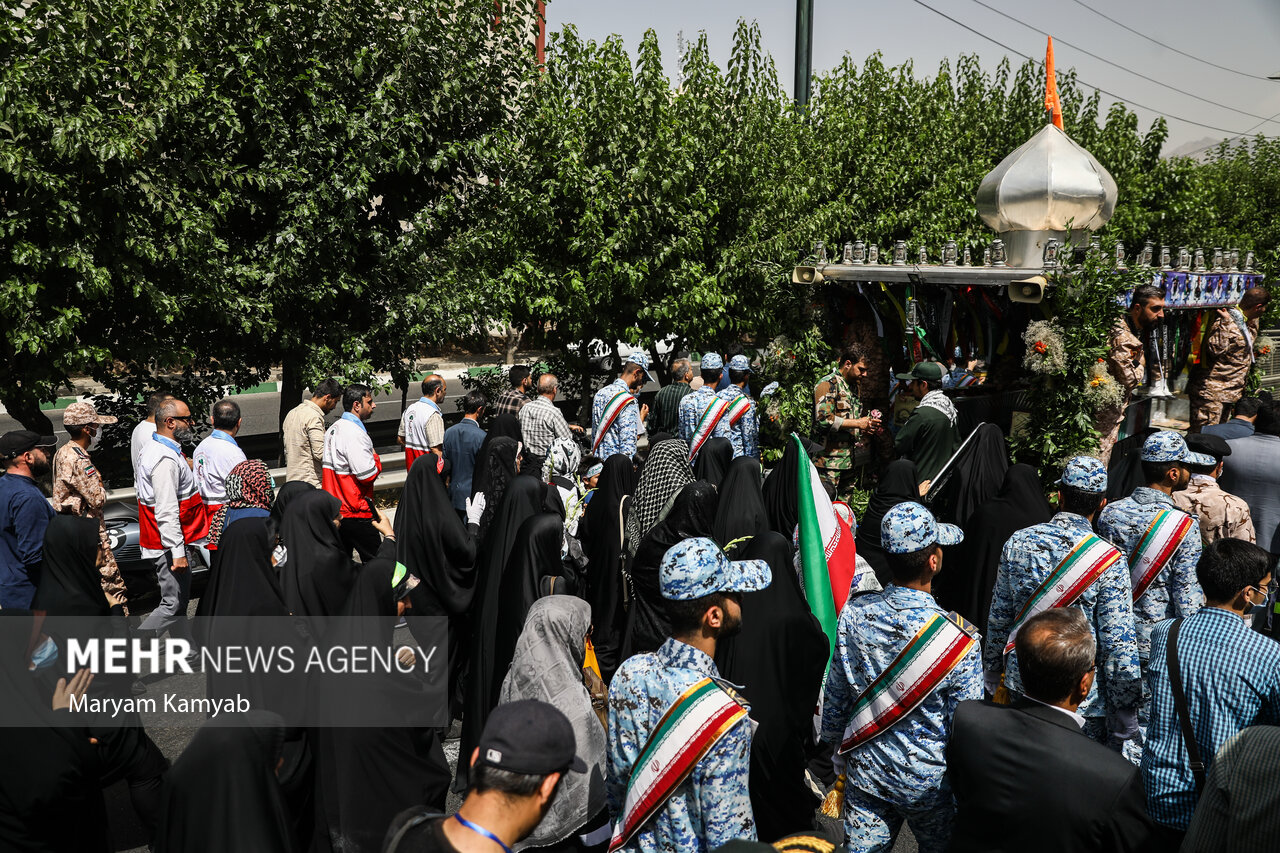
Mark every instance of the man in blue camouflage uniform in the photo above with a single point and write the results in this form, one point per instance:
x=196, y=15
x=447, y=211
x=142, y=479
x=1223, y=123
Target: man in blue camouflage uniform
x=712, y=805
x=1030, y=556
x=745, y=433
x=1175, y=591
x=695, y=404
x=901, y=774
x=624, y=432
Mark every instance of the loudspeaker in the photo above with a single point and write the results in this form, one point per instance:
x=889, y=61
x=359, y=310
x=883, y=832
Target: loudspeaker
x=1030, y=290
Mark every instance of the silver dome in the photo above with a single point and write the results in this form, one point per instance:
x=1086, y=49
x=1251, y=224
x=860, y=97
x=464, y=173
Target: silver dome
x=1048, y=183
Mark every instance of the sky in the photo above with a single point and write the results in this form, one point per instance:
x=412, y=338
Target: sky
x=1242, y=35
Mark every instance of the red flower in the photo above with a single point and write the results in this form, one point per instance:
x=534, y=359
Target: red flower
x=1040, y=347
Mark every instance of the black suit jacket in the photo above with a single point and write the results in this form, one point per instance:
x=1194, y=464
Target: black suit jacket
x=1026, y=778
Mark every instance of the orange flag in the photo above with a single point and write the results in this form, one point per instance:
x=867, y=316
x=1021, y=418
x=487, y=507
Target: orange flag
x=1051, y=102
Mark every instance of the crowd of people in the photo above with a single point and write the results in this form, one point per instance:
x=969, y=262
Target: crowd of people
x=633, y=651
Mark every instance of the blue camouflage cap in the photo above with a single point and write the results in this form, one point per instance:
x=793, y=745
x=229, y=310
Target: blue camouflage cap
x=740, y=362
x=711, y=361
x=697, y=567
x=770, y=389
x=1169, y=446
x=640, y=357
x=909, y=527
x=1086, y=474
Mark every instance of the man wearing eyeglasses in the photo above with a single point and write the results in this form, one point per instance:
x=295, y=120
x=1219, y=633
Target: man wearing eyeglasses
x=171, y=515
x=1229, y=675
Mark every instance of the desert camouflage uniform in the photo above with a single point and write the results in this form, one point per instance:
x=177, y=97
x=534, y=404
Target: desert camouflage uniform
x=1218, y=381
x=1029, y=557
x=901, y=775
x=1127, y=362
x=833, y=399
x=1221, y=514
x=78, y=490
x=710, y=807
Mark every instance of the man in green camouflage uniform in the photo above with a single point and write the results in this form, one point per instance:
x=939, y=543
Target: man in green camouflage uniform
x=838, y=422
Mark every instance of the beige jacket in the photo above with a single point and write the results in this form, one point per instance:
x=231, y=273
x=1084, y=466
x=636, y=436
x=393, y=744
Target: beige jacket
x=303, y=438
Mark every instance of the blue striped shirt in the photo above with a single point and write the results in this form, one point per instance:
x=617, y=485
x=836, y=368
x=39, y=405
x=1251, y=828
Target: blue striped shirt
x=1231, y=677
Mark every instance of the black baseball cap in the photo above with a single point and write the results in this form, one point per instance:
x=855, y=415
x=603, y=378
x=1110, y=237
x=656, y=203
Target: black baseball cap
x=21, y=440
x=1209, y=444
x=531, y=738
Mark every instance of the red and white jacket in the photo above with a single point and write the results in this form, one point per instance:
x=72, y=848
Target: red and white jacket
x=171, y=514
x=214, y=458
x=350, y=465
x=420, y=424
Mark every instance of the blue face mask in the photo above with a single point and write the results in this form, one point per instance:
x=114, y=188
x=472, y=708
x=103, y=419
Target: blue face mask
x=45, y=655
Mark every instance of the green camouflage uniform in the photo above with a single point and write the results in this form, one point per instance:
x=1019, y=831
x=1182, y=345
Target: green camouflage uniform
x=833, y=399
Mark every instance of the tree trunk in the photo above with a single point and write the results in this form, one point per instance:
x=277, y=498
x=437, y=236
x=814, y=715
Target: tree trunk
x=658, y=365
x=513, y=338
x=26, y=411
x=584, y=354
x=292, y=388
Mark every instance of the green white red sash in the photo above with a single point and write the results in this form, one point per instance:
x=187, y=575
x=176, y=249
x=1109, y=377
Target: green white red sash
x=739, y=407
x=611, y=411
x=1156, y=548
x=706, y=424
x=691, y=726
x=935, y=650
x=1074, y=574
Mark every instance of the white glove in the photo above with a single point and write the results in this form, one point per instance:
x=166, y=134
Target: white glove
x=475, y=508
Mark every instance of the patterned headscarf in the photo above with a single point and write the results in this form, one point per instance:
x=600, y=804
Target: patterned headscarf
x=249, y=486
x=563, y=459
x=666, y=472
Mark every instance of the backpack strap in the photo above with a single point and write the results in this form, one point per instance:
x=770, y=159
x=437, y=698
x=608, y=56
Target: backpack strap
x=1180, y=707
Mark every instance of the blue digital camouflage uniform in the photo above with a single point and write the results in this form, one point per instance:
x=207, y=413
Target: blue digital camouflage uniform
x=625, y=430
x=902, y=773
x=712, y=806
x=691, y=409
x=1029, y=557
x=744, y=435
x=1175, y=591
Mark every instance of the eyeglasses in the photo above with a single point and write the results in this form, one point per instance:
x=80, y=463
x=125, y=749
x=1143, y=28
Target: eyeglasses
x=186, y=418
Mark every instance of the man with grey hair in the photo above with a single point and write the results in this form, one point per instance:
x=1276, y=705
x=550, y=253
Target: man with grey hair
x=1024, y=776
x=541, y=423
x=664, y=417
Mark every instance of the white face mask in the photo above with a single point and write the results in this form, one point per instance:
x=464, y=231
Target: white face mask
x=97, y=438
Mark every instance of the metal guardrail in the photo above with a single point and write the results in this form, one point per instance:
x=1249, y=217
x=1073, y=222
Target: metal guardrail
x=393, y=476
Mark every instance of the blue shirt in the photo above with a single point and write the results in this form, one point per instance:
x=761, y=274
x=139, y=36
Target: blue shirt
x=625, y=429
x=906, y=765
x=1231, y=677
x=461, y=443
x=745, y=434
x=712, y=806
x=24, y=515
x=1028, y=558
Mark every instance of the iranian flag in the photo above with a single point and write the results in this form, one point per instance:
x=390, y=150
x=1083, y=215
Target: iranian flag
x=826, y=549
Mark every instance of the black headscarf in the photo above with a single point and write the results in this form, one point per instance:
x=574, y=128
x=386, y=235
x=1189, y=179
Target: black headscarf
x=522, y=499
x=741, y=511
x=897, y=484
x=288, y=492
x=495, y=469
x=432, y=542
x=692, y=514
x=505, y=425
x=535, y=558
x=50, y=790
x=368, y=775
x=243, y=606
x=781, y=492
x=975, y=477
x=666, y=472
x=601, y=532
x=69, y=583
x=713, y=460
x=969, y=573
x=779, y=657
x=222, y=793
x=317, y=573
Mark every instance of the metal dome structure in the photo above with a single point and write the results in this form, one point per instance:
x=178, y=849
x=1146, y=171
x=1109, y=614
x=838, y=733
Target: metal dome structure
x=1045, y=186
